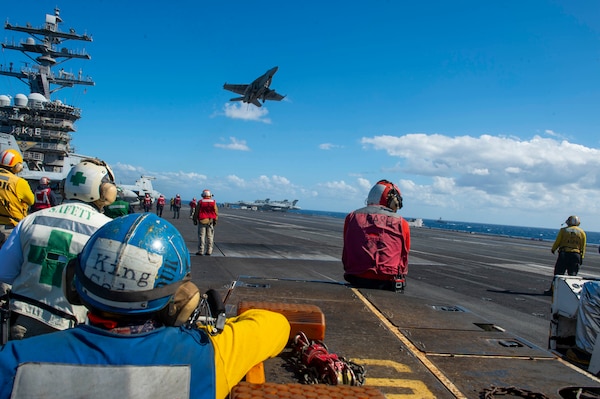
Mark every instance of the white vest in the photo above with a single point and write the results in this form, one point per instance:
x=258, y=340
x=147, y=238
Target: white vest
x=49, y=239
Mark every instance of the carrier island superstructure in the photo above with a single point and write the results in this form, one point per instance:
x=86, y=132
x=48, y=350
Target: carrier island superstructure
x=43, y=126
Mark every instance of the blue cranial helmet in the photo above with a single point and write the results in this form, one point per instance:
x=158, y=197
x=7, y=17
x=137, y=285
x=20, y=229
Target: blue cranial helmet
x=132, y=265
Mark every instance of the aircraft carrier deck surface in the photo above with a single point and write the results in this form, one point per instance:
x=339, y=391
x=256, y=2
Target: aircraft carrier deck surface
x=473, y=315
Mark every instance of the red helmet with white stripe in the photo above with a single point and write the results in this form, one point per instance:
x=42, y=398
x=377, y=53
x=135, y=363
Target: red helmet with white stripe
x=385, y=193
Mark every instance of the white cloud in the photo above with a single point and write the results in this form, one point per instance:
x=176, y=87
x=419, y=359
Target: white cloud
x=479, y=174
x=328, y=146
x=235, y=180
x=263, y=186
x=495, y=179
x=234, y=144
x=247, y=112
x=480, y=171
x=364, y=184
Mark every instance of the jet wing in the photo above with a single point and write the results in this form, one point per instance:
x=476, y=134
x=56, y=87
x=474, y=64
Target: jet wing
x=239, y=89
x=273, y=95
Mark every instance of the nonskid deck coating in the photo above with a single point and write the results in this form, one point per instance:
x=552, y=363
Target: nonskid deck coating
x=409, y=347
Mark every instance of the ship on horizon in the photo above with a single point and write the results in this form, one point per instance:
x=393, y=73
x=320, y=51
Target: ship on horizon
x=41, y=126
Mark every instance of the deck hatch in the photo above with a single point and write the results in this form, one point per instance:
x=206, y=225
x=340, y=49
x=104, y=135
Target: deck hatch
x=488, y=327
x=448, y=308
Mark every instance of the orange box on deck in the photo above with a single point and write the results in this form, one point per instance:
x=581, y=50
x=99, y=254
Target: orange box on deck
x=306, y=318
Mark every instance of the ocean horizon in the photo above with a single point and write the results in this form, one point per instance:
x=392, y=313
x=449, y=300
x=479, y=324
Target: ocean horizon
x=530, y=233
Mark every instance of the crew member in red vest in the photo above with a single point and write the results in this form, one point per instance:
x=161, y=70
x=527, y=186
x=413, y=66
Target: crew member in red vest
x=193, y=204
x=44, y=196
x=147, y=203
x=377, y=241
x=160, y=205
x=176, y=206
x=205, y=217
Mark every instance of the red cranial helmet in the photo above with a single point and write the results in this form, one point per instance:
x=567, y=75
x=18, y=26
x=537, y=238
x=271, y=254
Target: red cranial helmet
x=385, y=193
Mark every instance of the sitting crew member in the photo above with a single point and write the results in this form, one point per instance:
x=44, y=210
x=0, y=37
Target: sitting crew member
x=44, y=196
x=134, y=277
x=15, y=194
x=377, y=241
x=34, y=256
x=570, y=242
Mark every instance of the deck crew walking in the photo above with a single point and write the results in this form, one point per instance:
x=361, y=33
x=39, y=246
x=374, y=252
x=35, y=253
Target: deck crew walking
x=193, y=204
x=147, y=203
x=205, y=217
x=160, y=205
x=176, y=206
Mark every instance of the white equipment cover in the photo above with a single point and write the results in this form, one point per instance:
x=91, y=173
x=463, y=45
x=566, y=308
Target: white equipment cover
x=588, y=316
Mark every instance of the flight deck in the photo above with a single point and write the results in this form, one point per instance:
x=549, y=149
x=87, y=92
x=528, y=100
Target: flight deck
x=473, y=316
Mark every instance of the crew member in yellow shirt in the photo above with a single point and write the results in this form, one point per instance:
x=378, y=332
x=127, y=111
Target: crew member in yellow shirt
x=15, y=193
x=570, y=243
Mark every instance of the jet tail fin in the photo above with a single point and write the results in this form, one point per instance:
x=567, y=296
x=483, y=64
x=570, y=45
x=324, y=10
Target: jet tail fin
x=237, y=99
x=256, y=102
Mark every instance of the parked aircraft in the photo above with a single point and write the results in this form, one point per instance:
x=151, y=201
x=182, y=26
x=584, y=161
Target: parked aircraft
x=134, y=193
x=128, y=195
x=257, y=90
x=281, y=206
x=254, y=205
x=268, y=205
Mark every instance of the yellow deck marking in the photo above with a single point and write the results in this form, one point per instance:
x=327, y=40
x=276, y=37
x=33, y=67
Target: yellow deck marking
x=418, y=388
x=401, y=368
x=413, y=349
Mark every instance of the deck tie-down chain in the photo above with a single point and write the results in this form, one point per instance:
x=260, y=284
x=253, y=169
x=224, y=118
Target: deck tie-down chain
x=317, y=365
x=493, y=392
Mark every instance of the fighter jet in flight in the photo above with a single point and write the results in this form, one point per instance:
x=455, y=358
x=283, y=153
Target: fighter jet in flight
x=257, y=90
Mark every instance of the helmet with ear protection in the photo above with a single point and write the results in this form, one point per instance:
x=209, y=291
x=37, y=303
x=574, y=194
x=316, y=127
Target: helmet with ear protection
x=91, y=180
x=385, y=193
x=11, y=159
x=134, y=265
x=573, y=221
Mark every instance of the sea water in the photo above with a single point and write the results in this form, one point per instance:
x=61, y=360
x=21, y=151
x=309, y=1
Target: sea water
x=530, y=233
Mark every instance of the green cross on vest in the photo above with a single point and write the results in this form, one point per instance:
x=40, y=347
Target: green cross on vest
x=78, y=178
x=53, y=258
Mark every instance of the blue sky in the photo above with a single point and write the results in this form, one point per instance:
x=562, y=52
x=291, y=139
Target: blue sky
x=483, y=111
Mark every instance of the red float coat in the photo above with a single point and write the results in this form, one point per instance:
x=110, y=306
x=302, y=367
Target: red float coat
x=42, y=198
x=376, y=243
x=206, y=211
